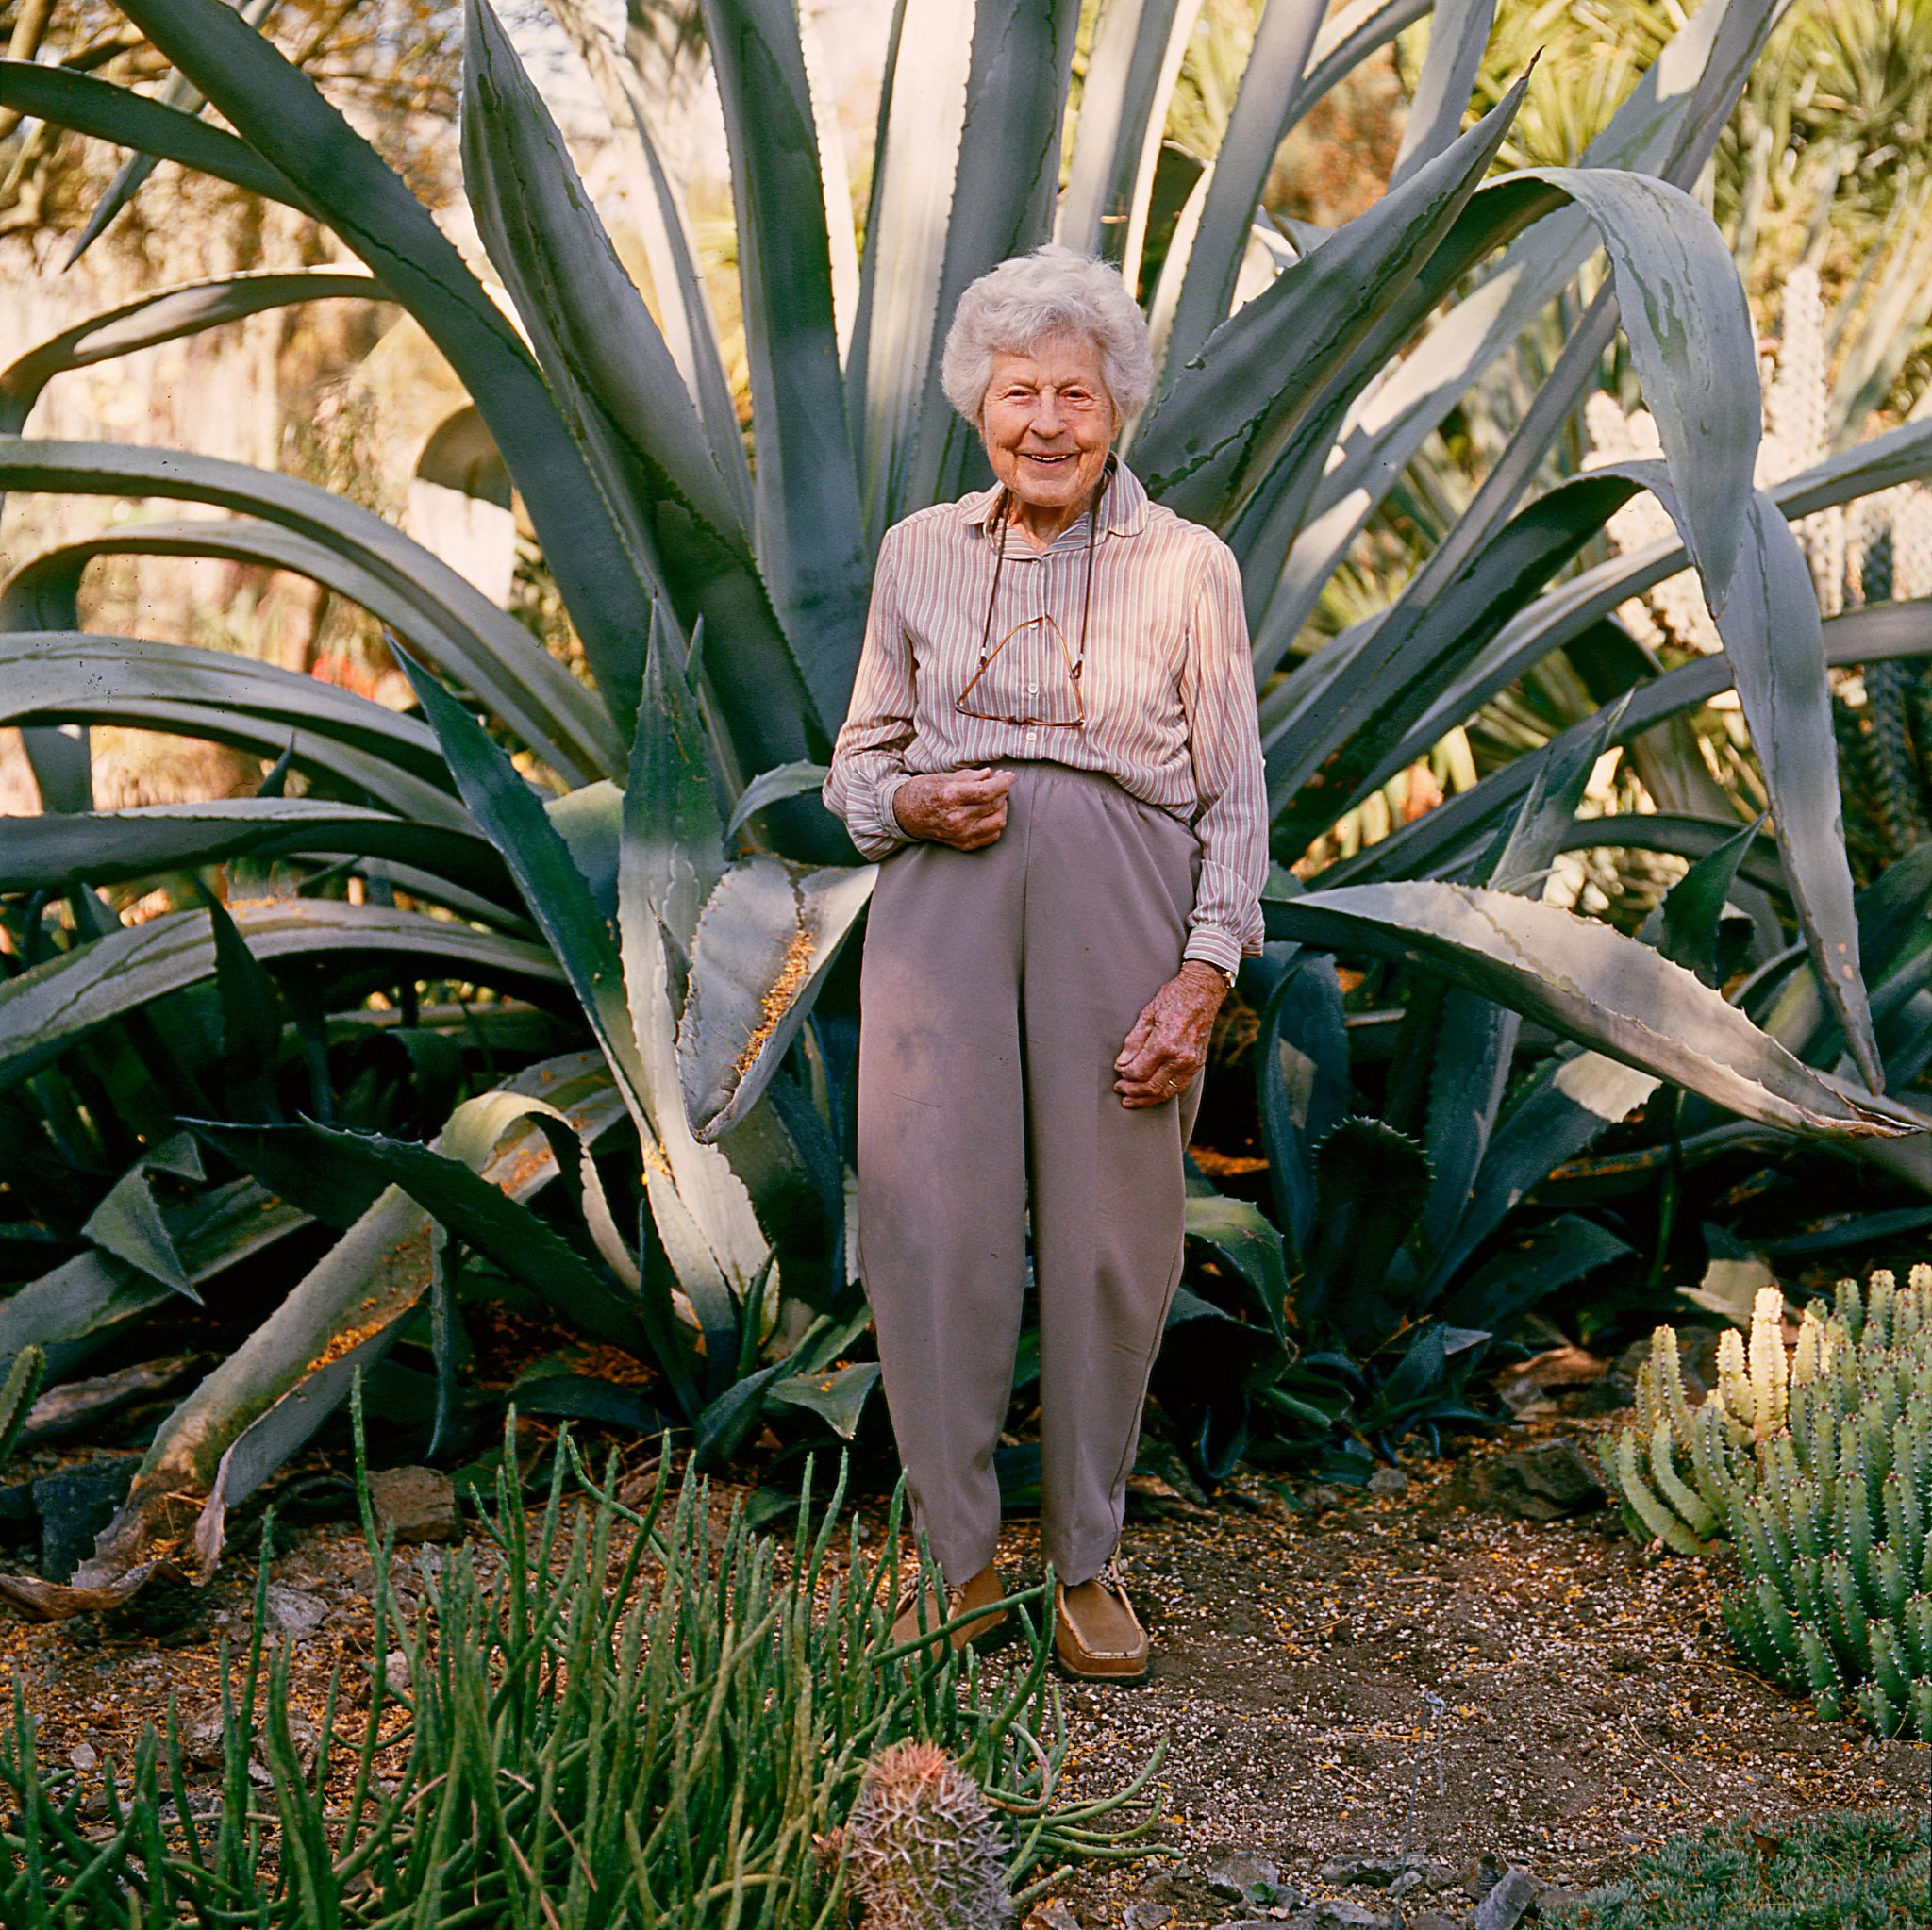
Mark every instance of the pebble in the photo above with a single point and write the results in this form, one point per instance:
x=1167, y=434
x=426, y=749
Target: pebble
x=1146, y=1916
x=1388, y=1481
x=84, y=1757
x=1052, y=1916
x=1334, y=1914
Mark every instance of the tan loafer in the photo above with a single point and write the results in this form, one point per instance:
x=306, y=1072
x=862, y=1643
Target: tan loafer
x=1095, y=1632
x=986, y=1587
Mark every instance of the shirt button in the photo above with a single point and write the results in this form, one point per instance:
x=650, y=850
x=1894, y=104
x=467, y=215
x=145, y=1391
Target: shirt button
x=1032, y=690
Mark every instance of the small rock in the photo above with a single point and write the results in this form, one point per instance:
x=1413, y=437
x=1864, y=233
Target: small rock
x=1333, y=1914
x=1507, y=1905
x=84, y=1757
x=1324, y=1494
x=1388, y=1481
x=1051, y=1915
x=74, y=1506
x=396, y=1672
x=1388, y=1872
x=201, y=1742
x=1434, y=1920
x=1481, y=1876
x=1540, y=1483
x=294, y=1611
x=1146, y=1916
x=416, y=1504
x=1245, y=1876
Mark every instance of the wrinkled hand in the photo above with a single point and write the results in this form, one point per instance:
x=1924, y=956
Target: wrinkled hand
x=963, y=808
x=1169, y=1042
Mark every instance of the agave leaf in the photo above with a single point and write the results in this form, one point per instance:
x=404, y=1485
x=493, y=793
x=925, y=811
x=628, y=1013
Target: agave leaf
x=1302, y=1080
x=251, y=1021
x=57, y=1004
x=127, y=1223
x=684, y=313
x=1695, y=349
x=89, y=1300
x=1877, y=633
x=43, y=672
x=1263, y=111
x=166, y=317
x=108, y=112
x=54, y=854
x=44, y=594
x=1322, y=754
x=811, y=550
x=1124, y=94
x=61, y=761
x=1003, y=196
x=1203, y=446
x=1666, y=126
x=668, y=854
x=768, y=937
x=770, y=787
x=1684, y=837
x=175, y=91
x=1240, y=1232
x=1688, y=924
x=836, y=1397
x=1530, y=1269
x=922, y=112
x=673, y=844
x=272, y=1393
x=279, y=111
x=1459, y=34
x=17, y=1398
x=510, y=814
x=1369, y=1185
x=1348, y=37
x=1592, y=985
x=619, y=391
x=534, y=694
x=447, y=1186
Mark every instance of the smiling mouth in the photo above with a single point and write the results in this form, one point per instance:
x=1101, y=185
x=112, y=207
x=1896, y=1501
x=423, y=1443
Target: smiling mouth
x=1034, y=456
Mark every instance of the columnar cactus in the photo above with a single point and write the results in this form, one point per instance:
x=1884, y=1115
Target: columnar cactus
x=1817, y=1466
x=924, y=1847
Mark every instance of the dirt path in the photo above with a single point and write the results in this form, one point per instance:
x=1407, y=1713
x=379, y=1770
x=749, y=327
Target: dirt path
x=1592, y=1704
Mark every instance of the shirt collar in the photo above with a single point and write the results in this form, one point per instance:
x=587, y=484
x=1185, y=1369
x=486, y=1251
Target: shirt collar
x=1124, y=507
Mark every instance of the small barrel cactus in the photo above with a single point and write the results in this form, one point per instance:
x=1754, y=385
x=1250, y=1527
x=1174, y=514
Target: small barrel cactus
x=923, y=1847
x=1817, y=1466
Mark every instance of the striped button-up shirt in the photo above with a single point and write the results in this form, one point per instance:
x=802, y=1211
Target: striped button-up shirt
x=1167, y=682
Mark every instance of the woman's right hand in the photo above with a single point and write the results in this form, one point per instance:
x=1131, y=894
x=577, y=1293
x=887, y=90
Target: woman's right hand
x=963, y=808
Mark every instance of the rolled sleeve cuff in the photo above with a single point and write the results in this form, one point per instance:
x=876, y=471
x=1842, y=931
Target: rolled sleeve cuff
x=1213, y=946
x=870, y=822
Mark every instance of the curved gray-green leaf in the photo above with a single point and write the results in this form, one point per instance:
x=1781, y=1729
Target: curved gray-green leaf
x=44, y=594
x=509, y=670
x=166, y=317
x=57, y=853
x=768, y=936
x=279, y=111
x=1592, y=985
x=45, y=1012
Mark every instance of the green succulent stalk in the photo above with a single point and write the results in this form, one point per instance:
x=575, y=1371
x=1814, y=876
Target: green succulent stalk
x=1815, y=1463
x=17, y=1395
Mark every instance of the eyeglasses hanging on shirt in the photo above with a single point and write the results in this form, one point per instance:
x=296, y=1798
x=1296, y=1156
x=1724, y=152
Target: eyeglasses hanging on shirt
x=1074, y=662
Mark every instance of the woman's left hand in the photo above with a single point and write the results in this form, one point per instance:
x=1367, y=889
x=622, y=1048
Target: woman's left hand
x=1169, y=1042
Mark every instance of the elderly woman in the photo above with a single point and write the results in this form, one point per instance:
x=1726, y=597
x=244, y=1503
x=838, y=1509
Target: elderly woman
x=1052, y=748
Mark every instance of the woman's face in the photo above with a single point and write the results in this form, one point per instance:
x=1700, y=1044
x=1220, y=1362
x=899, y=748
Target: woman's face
x=1048, y=420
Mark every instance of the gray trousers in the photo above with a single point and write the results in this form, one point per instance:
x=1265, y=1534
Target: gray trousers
x=998, y=988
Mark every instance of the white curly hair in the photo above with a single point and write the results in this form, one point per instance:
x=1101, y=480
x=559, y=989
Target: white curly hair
x=1053, y=291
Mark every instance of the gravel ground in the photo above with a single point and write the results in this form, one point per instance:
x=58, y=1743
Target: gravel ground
x=1589, y=1702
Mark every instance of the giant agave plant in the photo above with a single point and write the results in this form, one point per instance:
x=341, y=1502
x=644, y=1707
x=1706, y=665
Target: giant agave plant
x=683, y=885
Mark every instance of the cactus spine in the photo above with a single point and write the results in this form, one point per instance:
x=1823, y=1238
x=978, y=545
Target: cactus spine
x=923, y=1848
x=1816, y=1465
